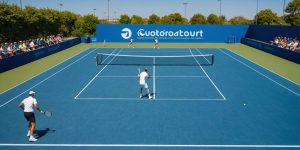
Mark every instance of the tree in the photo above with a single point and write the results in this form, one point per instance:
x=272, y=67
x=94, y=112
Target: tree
x=239, y=20
x=85, y=25
x=11, y=22
x=174, y=18
x=267, y=17
x=222, y=20
x=153, y=19
x=137, y=20
x=164, y=20
x=293, y=10
x=125, y=19
x=213, y=19
x=68, y=20
x=293, y=7
x=198, y=19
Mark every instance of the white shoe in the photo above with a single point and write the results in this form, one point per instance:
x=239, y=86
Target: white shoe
x=150, y=97
x=141, y=96
x=28, y=134
x=32, y=139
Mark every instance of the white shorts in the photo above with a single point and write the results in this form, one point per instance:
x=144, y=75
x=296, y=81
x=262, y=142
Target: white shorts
x=145, y=85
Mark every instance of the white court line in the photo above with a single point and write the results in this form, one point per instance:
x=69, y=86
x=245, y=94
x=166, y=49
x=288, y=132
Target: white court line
x=207, y=74
x=154, y=88
x=261, y=66
x=47, y=78
x=261, y=74
x=97, y=73
x=160, y=99
x=168, y=51
x=204, y=57
x=155, y=76
x=150, y=145
x=43, y=72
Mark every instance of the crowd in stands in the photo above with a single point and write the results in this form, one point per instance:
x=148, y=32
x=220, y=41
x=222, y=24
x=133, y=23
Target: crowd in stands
x=287, y=43
x=14, y=48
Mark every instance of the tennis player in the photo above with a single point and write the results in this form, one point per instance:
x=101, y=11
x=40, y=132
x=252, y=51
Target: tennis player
x=156, y=43
x=131, y=44
x=27, y=105
x=142, y=78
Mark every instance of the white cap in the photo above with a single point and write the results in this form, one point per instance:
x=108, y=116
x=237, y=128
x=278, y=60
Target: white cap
x=31, y=92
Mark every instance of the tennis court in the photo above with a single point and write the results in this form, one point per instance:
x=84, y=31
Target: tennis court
x=218, y=102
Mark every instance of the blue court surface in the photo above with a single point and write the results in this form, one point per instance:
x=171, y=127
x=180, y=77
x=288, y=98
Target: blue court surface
x=232, y=104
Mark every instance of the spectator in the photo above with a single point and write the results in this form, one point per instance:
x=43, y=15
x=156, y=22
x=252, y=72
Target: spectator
x=295, y=45
x=2, y=55
x=4, y=49
x=23, y=47
x=297, y=48
x=32, y=45
x=10, y=50
x=16, y=47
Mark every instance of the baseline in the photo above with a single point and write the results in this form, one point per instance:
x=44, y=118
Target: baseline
x=158, y=99
x=150, y=145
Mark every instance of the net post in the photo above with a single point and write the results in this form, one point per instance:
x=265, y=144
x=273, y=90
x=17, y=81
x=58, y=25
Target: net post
x=212, y=59
x=97, y=59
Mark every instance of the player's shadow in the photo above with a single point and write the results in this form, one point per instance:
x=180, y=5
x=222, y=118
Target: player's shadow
x=41, y=133
x=146, y=95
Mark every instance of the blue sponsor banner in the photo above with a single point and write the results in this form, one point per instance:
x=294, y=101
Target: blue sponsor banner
x=268, y=33
x=170, y=33
x=21, y=59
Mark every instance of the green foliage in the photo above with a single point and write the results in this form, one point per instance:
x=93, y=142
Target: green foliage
x=11, y=21
x=31, y=22
x=137, y=20
x=239, y=20
x=222, y=20
x=85, y=25
x=153, y=19
x=293, y=9
x=174, y=18
x=267, y=17
x=198, y=19
x=213, y=19
x=293, y=19
x=125, y=19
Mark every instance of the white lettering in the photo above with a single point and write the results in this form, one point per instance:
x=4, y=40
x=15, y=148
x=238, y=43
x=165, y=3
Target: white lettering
x=164, y=33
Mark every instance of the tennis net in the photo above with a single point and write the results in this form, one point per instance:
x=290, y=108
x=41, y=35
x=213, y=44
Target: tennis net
x=182, y=60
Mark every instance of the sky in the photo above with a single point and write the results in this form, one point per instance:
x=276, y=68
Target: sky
x=144, y=8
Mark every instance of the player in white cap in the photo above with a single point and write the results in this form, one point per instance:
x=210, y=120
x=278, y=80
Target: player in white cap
x=27, y=105
x=142, y=80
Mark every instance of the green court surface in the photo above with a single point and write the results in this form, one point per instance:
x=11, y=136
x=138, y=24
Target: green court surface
x=285, y=68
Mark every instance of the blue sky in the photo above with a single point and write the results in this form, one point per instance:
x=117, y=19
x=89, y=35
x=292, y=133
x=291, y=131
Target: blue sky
x=144, y=8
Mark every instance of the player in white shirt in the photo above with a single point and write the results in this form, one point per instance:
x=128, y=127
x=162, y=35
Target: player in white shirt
x=131, y=44
x=156, y=43
x=142, y=80
x=27, y=105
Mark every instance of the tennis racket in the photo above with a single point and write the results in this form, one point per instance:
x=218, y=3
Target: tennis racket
x=47, y=113
x=139, y=70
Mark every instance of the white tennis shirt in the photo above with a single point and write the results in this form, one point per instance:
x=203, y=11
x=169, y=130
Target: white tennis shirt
x=143, y=76
x=29, y=103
